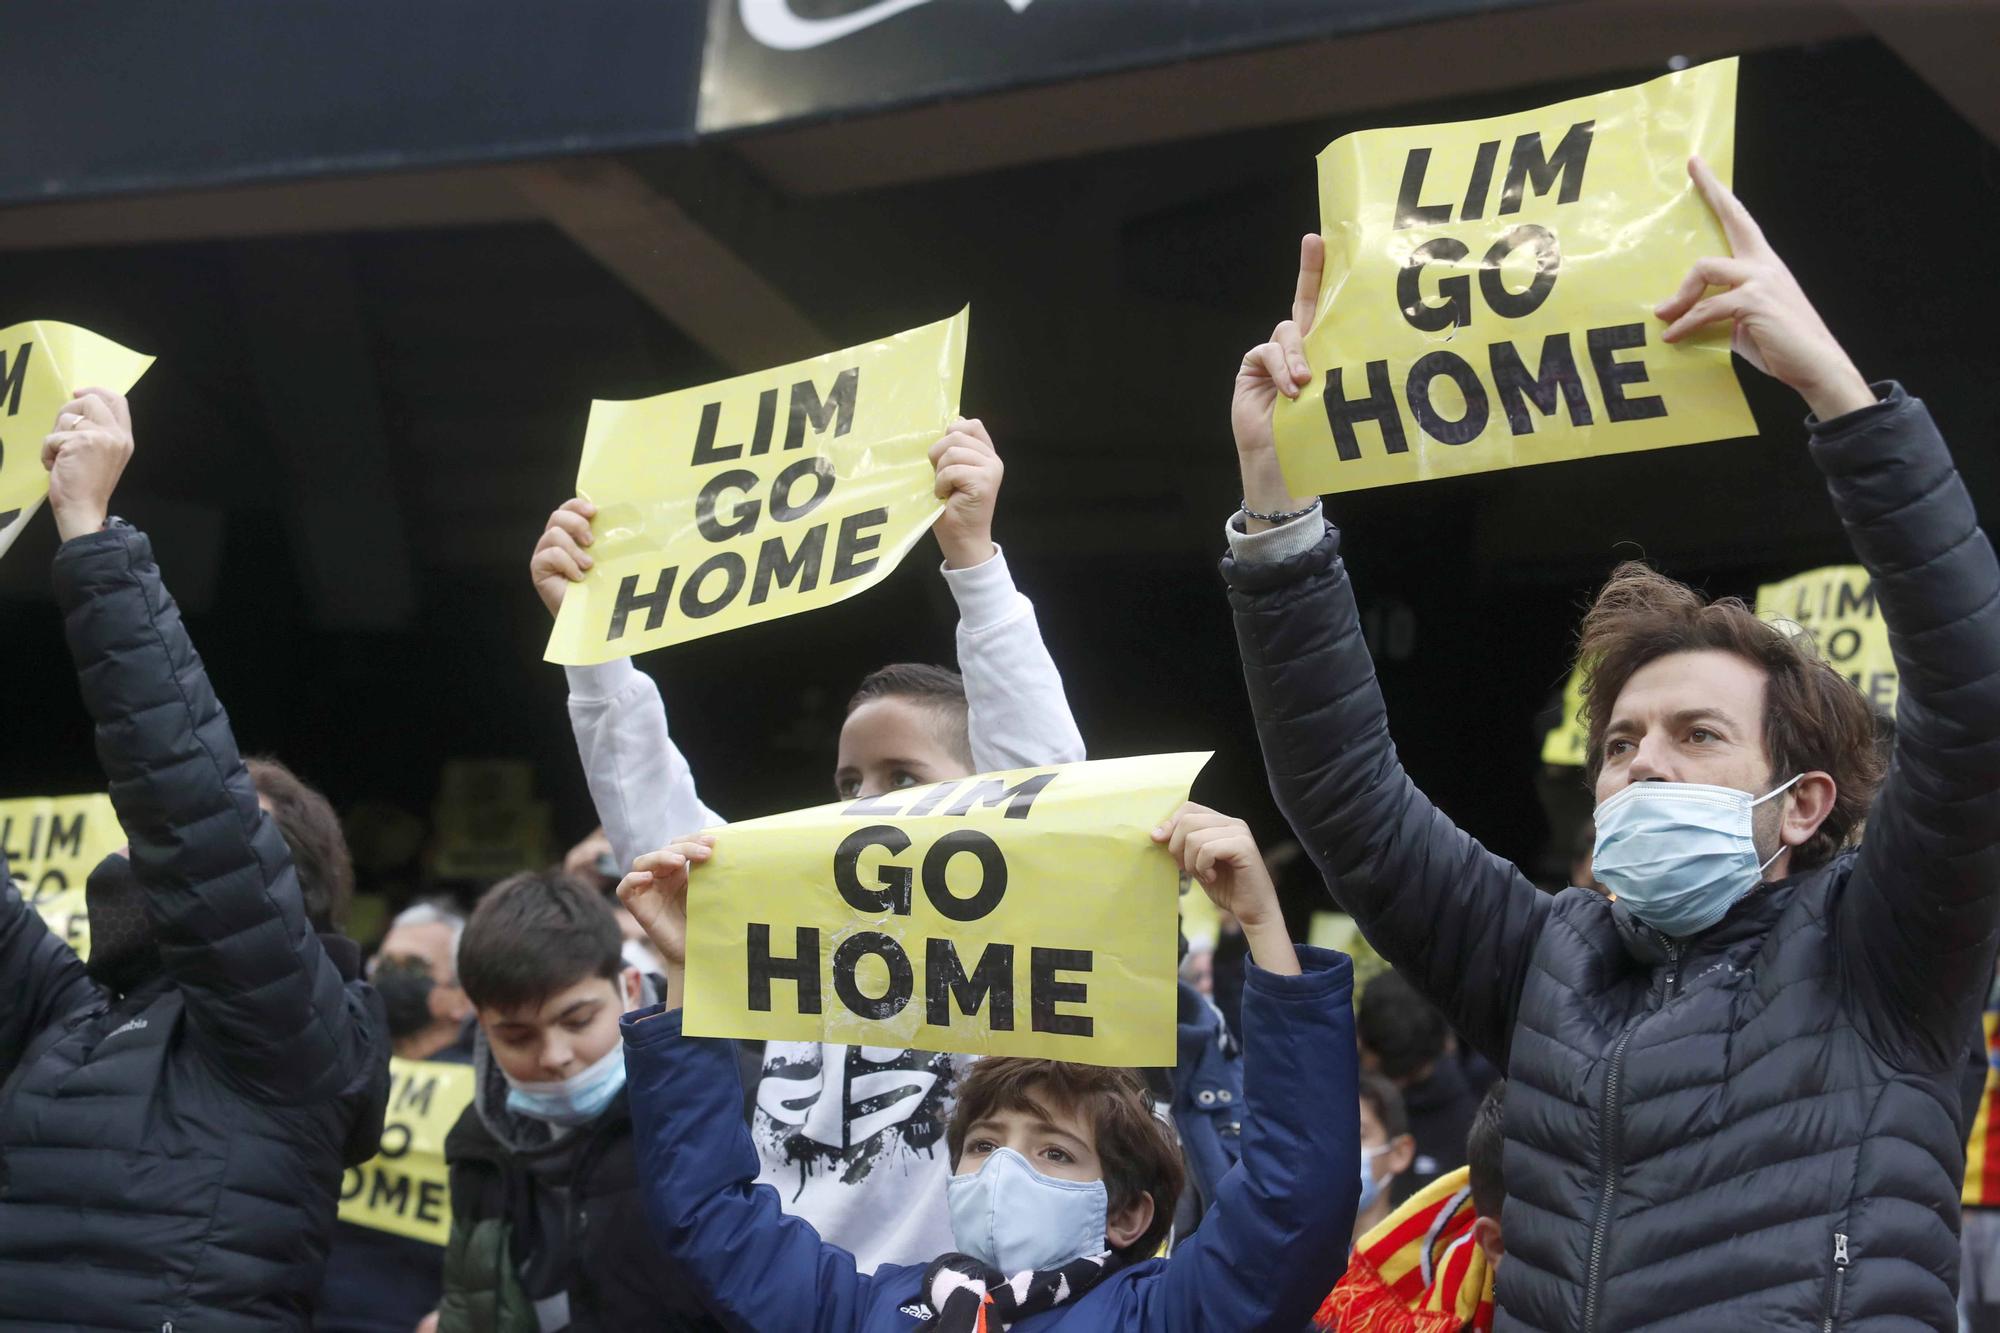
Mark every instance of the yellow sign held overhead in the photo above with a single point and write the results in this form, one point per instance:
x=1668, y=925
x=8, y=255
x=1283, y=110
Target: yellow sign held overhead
x=1024, y=913
x=41, y=364
x=760, y=496
x=52, y=844
x=1489, y=289
x=406, y=1188
x=1836, y=606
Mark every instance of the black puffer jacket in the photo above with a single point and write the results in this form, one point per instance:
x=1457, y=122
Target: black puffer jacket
x=1759, y=1128
x=171, y=1158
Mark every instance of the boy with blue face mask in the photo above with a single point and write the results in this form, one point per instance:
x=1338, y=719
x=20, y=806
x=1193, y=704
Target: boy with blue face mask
x=546, y=1228
x=1063, y=1180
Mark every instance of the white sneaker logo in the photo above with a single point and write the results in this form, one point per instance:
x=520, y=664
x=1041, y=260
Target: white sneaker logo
x=775, y=24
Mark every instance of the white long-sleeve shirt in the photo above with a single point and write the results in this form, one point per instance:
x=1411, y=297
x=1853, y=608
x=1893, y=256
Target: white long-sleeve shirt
x=851, y=1137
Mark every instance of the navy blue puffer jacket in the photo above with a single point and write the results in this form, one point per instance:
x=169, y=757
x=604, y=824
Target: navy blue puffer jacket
x=171, y=1157
x=1757, y=1128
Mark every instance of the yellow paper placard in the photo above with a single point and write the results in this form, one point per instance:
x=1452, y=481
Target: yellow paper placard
x=52, y=845
x=1023, y=913
x=1836, y=606
x=41, y=364
x=406, y=1189
x=1567, y=743
x=760, y=496
x=1489, y=290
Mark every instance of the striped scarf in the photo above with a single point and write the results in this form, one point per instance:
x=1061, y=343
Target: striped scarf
x=1420, y=1271
x=966, y=1296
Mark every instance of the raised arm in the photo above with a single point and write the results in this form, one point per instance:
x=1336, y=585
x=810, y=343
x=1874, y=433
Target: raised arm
x=756, y=1267
x=41, y=975
x=265, y=1002
x=1460, y=922
x=1278, y=1230
x=1017, y=713
x=1920, y=917
x=639, y=781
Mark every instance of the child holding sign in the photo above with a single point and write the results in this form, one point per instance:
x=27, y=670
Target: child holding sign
x=1062, y=1178
x=849, y=1166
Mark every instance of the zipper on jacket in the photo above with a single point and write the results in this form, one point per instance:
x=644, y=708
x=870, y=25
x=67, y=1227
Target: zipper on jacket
x=1608, y=1145
x=1838, y=1283
x=1675, y=951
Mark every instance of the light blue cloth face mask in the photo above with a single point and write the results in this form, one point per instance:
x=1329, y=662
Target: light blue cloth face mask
x=1679, y=855
x=575, y=1100
x=1014, y=1219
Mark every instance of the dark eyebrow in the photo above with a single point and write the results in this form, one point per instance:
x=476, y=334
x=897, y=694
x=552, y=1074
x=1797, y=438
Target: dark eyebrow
x=1047, y=1127
x=1688, y=717
x=580, y=1004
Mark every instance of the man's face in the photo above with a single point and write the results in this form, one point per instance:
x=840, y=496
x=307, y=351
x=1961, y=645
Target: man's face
x=1688, y=717
x=1385, y=1158
x=565, y=1034
x=889, y=743
x=430, y=943
x=1064, y=1145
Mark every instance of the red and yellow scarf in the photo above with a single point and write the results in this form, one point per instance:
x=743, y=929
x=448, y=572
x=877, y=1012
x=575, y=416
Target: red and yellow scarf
x=1420, y=1271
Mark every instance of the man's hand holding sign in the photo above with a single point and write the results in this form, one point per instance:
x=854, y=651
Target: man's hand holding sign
x=47, y=371
x=1026, y=913
x=1487, y=291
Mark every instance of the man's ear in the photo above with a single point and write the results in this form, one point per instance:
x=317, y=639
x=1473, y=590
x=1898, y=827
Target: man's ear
x=1130, y=1222
x=1486, y=1231
x=633, y=987
x=1402, y=1152
x=1806, y=807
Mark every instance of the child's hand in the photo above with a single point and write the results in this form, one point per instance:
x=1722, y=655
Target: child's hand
x=968, y=481
x=559, y=559
x=1220, y=854
x=655, y=893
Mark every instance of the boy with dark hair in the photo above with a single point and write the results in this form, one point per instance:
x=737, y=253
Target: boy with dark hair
x=860, y=1171
x=1386, y=1150
x=547, y=1232
x=1061, y=1178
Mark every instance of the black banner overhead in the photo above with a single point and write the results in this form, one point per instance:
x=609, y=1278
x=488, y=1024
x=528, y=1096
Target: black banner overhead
x=778, y=60
x=106, y=96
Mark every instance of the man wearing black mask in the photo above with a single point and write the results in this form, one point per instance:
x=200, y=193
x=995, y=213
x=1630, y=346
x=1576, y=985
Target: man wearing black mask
x=175, y=1115
x=416, y=971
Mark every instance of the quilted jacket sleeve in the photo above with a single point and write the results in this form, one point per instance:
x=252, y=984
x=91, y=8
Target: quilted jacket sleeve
x=1457, y=920
x=265, y=1002
x=1920, y=917
x=755, y=1266
x=42, y=977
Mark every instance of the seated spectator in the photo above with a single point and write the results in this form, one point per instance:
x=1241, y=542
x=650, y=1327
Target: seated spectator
x=1387, y=1150
x=1063, y=1178
x=1404, y=1038
x=1429, y=1266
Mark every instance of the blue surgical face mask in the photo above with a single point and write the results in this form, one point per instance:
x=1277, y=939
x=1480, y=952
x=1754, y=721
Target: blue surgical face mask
x=1013, y=1218
x=574, y=1100
x=1371, y=1188
x=1679, y=855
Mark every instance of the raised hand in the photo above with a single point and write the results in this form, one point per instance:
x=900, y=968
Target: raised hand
x=560, y=558
x=968, y=481
x=655, y=893
x=1776, y=328
x=1277, y=366
x=84, y=456
x=1219, y=853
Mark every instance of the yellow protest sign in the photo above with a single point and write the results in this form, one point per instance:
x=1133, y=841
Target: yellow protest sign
x=1489, y=290
x=406, y=1189
x=758, y=497
x=1836, y=606
x=52, y=844
x=41, y=364
x=1024, y=913
x=1567, y=743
